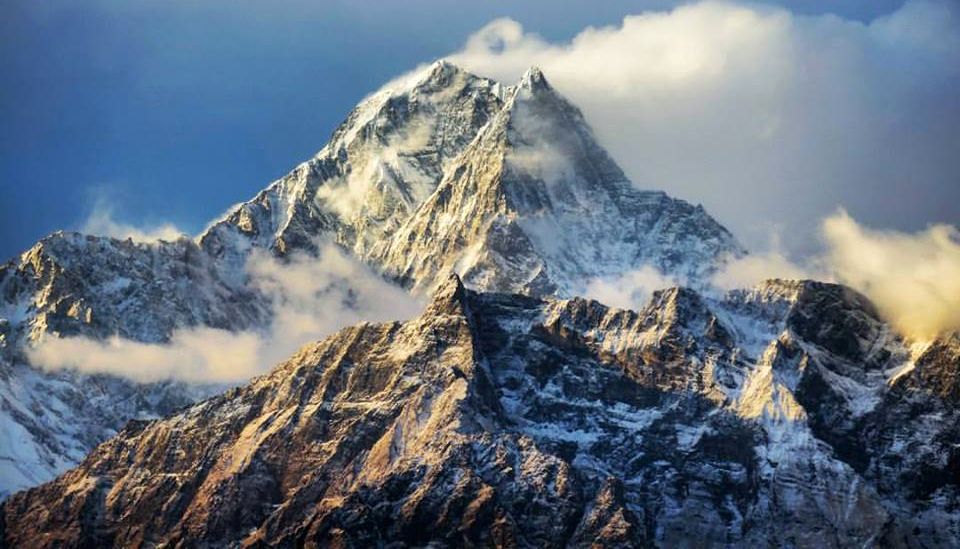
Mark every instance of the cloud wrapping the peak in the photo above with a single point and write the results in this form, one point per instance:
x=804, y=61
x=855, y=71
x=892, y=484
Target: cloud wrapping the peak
x=762, y=115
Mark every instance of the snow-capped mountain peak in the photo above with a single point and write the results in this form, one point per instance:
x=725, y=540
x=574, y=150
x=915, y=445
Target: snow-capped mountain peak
x=536, y=205
x=440, y=172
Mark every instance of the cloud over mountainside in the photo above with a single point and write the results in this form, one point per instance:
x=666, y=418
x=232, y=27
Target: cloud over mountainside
x=763, y=115
x=311, y=297
x=102, y=222
x=914, y=278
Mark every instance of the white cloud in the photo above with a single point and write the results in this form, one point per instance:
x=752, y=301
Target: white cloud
x=101, y=222
x=762, y=115
x=631, y=290
x=315, y=296
x=771, y=262
x=913, y=278
x=312, y=297
x=198, y=355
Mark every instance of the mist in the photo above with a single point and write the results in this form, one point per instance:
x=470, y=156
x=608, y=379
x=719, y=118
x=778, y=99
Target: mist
x=311, y=297
x=913, y=278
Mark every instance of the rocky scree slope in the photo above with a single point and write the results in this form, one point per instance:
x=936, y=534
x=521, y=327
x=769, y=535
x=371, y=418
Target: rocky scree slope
x=784, y=415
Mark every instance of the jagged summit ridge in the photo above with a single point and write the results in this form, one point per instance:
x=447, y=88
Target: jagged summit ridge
x=535, y=205
x=378, y=166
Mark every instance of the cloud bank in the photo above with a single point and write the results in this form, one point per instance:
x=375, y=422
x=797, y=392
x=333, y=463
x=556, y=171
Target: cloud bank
x=311, y=297
x=913, y=278
x=763, y=115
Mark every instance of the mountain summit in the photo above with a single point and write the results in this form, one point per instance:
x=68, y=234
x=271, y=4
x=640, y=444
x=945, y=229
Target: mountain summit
x=443, y=171
x=535, y=205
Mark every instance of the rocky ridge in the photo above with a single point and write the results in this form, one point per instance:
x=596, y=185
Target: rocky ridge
x=785, y=415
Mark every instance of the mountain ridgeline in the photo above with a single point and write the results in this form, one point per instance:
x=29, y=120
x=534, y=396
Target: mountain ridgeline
x=509, y=412
x=778, y=416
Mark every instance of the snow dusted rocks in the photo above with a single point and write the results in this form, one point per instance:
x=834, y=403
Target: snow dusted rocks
x=440, y=171
x=383, y=161
x=789, y=414
x=534, y=205
x=75, y=285
x=510, y=420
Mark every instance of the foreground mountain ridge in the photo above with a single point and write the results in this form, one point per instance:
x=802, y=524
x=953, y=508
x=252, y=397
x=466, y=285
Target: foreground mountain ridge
x=785, y=415
x=441, y=171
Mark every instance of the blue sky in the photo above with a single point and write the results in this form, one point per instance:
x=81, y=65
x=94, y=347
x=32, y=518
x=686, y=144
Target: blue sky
x=172, y=111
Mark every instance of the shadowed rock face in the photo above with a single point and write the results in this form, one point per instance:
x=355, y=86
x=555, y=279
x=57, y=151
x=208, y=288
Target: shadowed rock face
x=506, y=420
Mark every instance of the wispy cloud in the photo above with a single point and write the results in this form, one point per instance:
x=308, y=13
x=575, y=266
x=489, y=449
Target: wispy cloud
x=630, y=290
x=311, y=297
x=101, y=222
x=914, y=278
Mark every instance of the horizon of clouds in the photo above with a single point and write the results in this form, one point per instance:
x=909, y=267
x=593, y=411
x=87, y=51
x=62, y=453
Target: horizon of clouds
x=765, y=117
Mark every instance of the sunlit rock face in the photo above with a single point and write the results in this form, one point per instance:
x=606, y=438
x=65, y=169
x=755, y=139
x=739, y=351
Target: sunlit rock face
x=511, y=420
x=440, y=171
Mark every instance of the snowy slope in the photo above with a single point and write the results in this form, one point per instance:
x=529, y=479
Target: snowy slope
x=382, y=162
x=74, y=285
x=535, y=205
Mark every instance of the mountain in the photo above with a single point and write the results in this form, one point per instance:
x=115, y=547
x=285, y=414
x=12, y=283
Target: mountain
x=444, y=171
x=440, y=171
x=382, y=162
x=785, y=415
